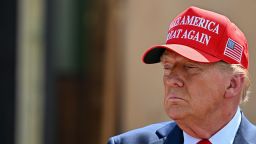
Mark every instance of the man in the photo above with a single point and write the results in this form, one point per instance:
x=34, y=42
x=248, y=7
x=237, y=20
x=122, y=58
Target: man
x=205, y=62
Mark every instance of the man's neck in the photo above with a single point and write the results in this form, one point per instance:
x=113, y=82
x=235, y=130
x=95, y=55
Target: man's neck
x=206, y=127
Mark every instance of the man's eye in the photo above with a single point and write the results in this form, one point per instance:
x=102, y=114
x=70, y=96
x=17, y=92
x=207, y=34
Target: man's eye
x=191, y=67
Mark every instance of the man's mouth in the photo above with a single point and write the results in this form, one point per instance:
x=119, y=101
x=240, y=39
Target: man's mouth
x=174, y=97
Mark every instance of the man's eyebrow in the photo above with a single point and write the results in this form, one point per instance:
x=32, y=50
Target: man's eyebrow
x=198, y=64
x=193, y=63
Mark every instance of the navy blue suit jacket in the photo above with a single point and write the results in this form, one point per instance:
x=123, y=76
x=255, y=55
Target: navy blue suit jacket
x=170, y=133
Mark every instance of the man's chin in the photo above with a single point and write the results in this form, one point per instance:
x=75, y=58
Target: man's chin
x=175, y=115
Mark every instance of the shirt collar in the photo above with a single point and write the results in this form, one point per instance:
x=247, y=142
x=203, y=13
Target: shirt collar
x=225, y=136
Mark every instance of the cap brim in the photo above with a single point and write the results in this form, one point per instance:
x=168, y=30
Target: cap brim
x=154, y=54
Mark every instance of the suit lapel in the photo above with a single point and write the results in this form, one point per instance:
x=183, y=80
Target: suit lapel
x=160, y=141
x=175, y=136
x=246, y=132
x=169, y=134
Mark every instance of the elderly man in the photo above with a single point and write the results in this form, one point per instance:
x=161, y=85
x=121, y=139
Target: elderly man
x=205, y=62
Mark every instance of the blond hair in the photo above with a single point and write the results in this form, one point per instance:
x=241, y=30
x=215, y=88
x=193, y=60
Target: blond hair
x=238, y=69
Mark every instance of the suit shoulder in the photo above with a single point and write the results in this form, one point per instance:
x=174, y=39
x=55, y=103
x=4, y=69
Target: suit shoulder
x=246, y=132
x=139, y=136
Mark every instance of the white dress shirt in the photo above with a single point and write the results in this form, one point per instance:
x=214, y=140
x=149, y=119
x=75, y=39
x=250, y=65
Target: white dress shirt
x=225, y=136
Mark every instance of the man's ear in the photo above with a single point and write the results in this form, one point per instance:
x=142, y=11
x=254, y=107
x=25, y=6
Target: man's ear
x=235, y=86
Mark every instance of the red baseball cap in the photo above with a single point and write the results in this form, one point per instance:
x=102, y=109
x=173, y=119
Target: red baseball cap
x=203, y=36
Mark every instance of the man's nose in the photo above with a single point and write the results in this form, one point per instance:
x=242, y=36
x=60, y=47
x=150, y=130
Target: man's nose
x=173, y=81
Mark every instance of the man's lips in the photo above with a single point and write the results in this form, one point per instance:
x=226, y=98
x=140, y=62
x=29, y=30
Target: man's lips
x=174, y=97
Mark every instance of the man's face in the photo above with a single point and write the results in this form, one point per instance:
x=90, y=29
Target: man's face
x=192, y=90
